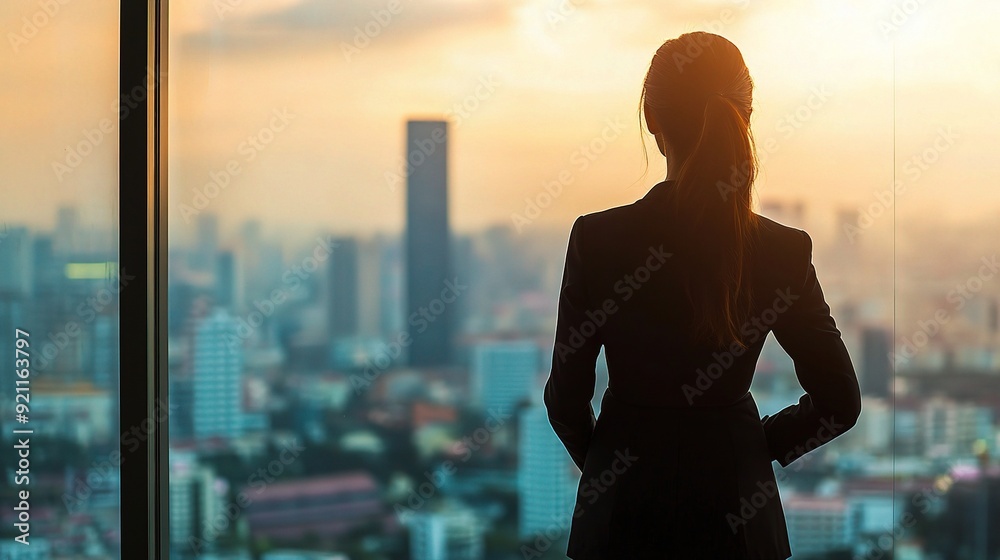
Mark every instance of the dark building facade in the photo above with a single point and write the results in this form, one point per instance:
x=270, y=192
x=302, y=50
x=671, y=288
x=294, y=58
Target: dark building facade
x=226, y=271
x=876, y=368
x=429, y=315
x=342, y=288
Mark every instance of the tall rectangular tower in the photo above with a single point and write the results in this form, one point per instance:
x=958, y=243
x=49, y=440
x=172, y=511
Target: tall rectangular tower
x=546, y=477
x=342, y=288
x=504, y=373
x=429, y=316
x=217, y=377
x=876, y=367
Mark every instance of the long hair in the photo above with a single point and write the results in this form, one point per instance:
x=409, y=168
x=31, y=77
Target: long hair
x=698, y=93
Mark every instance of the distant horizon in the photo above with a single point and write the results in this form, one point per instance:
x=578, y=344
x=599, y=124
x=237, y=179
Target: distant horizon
x=292, y=230
x=526, y=89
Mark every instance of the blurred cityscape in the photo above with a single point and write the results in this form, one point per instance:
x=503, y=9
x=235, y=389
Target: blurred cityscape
x=378, y=397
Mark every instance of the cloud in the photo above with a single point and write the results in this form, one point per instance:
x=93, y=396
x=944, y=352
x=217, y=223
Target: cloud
x=323, y=21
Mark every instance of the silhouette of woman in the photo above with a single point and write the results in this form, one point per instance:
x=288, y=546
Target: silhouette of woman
x=681, y=289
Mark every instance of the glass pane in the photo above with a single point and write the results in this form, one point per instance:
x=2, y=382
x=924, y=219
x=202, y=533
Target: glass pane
x=369, y=209
x=945, y=352
x=60, y=280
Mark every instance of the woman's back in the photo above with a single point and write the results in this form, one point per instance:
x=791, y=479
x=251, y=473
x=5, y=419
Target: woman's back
x=677, y=406
x=682, y=288
x=632, y=257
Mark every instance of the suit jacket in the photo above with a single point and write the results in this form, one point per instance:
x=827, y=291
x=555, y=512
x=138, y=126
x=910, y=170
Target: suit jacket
x=621, y=290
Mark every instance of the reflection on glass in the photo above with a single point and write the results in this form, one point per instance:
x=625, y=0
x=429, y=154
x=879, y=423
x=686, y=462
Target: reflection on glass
x=59, y=282
x=369, y=206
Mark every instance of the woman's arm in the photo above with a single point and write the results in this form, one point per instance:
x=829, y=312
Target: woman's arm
x=570, y=386
x=832, y=400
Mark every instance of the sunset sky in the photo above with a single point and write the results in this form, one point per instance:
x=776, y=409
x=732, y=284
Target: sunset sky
x=560, y=72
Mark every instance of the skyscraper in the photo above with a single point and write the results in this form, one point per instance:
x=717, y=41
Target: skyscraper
x=103, y=353
x=46, y=270
x=15, y=288
x=370, y=270
x=504, y=373
x=818, y=524
x=227, y=281
x=11, y=317
x=194, y=503
x=65, y=237
x=206, y=243
x=15, y=262
x=342, y=288
x=260, y=266
x=428, y=265
x=391, y=289
x=454, y=533
x=217, y=378
x=876, y=369
x=546, y=483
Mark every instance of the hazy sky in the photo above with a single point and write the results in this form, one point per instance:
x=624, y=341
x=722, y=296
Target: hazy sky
x=543, y=77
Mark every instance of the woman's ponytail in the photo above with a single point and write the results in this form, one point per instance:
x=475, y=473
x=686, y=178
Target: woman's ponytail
x=703, y=110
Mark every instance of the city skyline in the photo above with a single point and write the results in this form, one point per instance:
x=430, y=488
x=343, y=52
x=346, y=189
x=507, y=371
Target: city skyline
x=945, y=412
x=333, y=165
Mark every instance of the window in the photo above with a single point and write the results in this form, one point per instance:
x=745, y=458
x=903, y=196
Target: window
x=60, y=280
x=355, y=216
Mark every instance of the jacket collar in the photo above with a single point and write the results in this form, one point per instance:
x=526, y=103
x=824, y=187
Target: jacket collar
x=659, y=190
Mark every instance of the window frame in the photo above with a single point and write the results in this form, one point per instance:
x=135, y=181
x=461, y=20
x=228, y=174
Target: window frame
x=144, y=505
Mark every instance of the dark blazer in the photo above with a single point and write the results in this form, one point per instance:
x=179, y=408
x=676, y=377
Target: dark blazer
x=679, y=438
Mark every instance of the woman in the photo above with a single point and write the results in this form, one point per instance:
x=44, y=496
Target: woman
x=681, y=288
